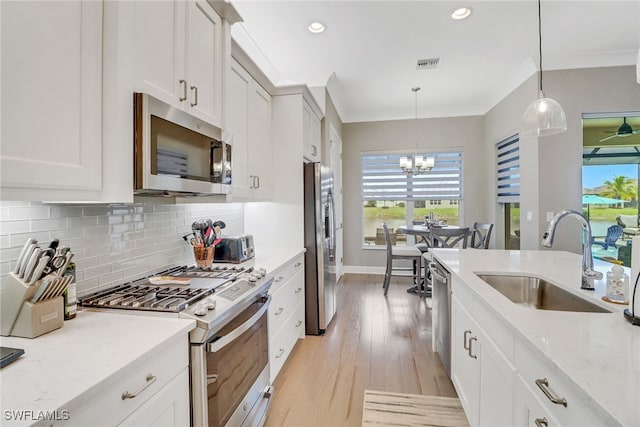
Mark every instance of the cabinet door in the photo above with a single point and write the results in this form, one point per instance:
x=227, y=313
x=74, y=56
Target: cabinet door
x=237, y=123
x=496, y=407
x=465, y=369
x=260, y=152
x=311, y=133
x=160, y=50
x=204, y=62
x=51, y=96
x=528, y=410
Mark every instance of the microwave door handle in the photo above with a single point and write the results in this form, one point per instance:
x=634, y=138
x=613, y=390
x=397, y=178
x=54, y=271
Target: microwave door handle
x=231, y=336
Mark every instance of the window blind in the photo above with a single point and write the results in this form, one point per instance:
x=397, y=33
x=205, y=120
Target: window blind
x=382, y=178
x=508, y=170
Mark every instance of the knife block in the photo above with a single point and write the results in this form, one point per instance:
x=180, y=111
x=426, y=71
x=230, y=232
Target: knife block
x=19, y=317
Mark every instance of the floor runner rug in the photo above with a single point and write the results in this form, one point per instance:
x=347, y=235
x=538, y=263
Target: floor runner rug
x=398, y=409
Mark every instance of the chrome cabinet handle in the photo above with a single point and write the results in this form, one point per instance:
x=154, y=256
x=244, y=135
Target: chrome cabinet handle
x=465, y=340
x=212, y=378
x=298, y=264
x=279, y=312
x=298, y=290
x=471, y=355
x=551, y=395
x=314, y=150
x=150, y=380
x=279, y=279
x=194, y=89
x=540, y=422
x=280, y=353
x=299, y=323
x=258, y=180
x=184, y=90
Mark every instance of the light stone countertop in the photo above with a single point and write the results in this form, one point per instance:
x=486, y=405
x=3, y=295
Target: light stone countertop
x=272, y=257
x=598, y=352
x=59, y=367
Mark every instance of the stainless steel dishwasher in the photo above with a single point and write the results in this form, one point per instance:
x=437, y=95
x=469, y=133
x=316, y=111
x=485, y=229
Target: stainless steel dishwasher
x=441, y=312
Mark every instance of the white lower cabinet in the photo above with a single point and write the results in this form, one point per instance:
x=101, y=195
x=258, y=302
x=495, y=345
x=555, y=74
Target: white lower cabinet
x=286, y=313
x=153, y=390
x=482, y=375
x=503, y=380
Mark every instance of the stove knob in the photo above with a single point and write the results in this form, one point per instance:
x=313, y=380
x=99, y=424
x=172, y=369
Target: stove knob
x=262, y=271
x=200, y=309
x=253, y=278
x=210, y=303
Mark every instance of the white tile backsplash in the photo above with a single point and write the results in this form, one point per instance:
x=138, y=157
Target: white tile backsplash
x=111, y=243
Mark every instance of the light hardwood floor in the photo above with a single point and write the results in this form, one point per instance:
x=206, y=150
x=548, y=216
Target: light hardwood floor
x=373, y=343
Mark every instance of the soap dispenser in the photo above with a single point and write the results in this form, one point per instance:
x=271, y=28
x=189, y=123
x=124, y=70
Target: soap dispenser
x=617, y=285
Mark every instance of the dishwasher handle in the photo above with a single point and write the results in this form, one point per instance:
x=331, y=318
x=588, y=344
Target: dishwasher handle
x=435, y=273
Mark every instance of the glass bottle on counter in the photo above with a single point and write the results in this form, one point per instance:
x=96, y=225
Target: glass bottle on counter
x=70, y=300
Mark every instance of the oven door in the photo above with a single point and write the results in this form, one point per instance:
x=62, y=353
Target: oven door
x=237, y=369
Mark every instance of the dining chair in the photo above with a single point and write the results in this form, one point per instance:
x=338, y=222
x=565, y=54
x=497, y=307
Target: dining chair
x=423, y=245
x=400, y=253
x=443, y=238
x=480, y=235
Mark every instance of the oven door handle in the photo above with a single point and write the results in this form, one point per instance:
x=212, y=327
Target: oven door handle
x=217, y=345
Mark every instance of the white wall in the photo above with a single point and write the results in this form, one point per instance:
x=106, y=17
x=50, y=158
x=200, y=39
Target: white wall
x=465, y=132
x=111, y=243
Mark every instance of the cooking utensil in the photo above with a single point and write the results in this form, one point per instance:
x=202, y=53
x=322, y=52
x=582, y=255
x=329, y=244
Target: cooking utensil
x=31, y=265
x=27, y=257
x=23, y=253
x=37, y=272
x=61, y=270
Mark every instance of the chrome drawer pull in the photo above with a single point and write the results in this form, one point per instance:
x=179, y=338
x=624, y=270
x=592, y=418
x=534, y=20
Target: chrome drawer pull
x=466, y=347
x=540, y=422
x=544, y=386
x=298, y=264
x=279, y=279
x=473, y=356
x=195, y=91
x=299, y=323
x=279, y=312
x=150, y=380
x=280, y=353
x=298, y=290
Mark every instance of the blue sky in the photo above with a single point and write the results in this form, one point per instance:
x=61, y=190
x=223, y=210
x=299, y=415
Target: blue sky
x=594, y=176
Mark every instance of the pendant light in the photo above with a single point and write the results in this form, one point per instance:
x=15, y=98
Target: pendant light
x=544, y=116
x=418, y=164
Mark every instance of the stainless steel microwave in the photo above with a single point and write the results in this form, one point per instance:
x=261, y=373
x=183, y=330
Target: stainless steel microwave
x=176, y=153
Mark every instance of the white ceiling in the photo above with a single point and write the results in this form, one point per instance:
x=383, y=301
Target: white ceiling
x=373, y=46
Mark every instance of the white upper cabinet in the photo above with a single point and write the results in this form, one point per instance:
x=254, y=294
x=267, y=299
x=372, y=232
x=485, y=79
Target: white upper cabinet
x=312, y=134
x=248, y=121
x=179, y=56
x=51, y=97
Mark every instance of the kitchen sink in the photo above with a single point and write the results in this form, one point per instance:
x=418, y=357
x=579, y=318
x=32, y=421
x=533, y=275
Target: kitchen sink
x=537, y=293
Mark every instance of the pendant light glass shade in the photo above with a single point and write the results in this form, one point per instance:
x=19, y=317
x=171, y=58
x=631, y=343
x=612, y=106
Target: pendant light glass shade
x=543, y=117
x=417, y=164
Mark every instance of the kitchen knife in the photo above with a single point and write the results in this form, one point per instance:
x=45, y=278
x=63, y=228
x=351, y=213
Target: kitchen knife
x=48, y=293
x=44, y=260
x=23, y=253
x=25, y=260
x=31, y=265
x=43, y=286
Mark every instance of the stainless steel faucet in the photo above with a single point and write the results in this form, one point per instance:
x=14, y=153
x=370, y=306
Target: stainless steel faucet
x=588, y=273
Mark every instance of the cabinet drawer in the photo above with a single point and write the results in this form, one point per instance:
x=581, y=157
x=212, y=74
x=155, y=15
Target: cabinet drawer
x=578, y=411
x=284, y=301
x=104, y=405
x=286, y=271
x=528, y=409
x=283, y=342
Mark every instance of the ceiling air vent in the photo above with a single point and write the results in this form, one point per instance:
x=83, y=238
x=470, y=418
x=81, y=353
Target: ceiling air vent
x=427, y=64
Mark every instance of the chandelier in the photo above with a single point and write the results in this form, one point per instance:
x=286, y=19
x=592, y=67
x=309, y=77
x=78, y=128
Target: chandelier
x=417, y=164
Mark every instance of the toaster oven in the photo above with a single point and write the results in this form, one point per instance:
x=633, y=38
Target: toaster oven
x=234, y=249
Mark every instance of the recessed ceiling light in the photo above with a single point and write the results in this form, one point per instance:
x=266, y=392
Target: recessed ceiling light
x=461, y=13
x=316, y=27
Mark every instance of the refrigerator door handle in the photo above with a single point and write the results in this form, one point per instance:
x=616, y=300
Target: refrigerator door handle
x=331, y=231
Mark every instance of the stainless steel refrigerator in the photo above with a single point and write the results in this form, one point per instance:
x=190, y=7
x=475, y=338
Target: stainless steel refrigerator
x=320, y=243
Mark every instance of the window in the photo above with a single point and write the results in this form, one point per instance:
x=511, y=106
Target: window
x=508, y=188
x=397, y=198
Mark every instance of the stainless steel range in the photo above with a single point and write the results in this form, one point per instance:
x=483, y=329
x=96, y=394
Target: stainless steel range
x=229, y=346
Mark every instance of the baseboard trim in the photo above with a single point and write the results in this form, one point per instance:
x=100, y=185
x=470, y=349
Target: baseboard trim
x=363, y=269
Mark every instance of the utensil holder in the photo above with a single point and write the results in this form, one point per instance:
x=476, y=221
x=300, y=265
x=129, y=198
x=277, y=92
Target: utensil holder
x=20, y=317
x=203, y=256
